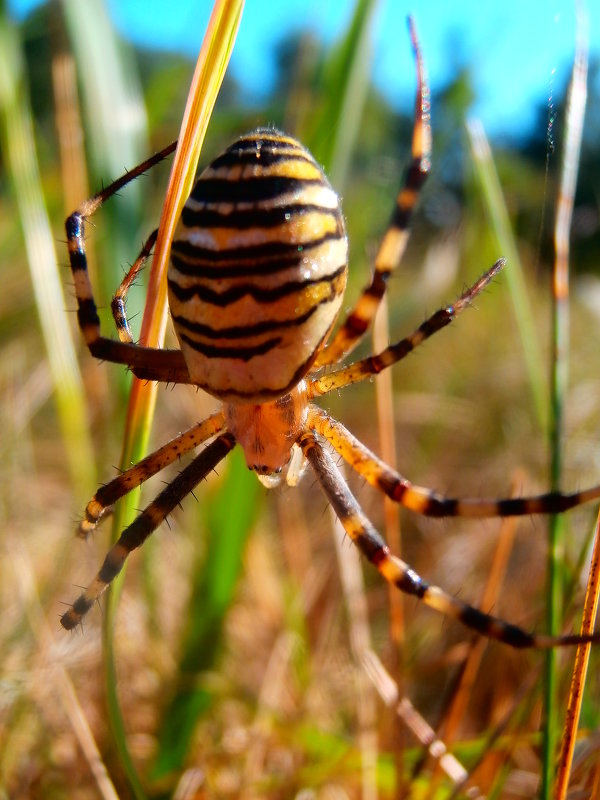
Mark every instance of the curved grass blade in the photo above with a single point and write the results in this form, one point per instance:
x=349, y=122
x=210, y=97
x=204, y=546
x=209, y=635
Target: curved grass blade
x=207, y=79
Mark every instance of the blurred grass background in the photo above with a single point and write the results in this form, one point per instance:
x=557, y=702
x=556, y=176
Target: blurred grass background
x=235, y=668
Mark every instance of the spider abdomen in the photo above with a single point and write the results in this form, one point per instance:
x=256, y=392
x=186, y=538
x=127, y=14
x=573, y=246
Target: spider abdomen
x=258, y=268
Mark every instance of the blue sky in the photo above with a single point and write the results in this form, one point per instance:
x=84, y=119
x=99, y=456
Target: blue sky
x=519, y=50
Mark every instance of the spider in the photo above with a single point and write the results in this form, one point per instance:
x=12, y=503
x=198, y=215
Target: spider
x=256, y=282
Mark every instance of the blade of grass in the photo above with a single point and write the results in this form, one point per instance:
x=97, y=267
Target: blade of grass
x=62, y=685
x=207, y=79
x=344, y=83
x=574, y=117
x=229, y=516
x=582, y=657
x=487, y=176
x=471, y=665
x=384, y=396
x=416, y=724
x=21, y=160
x=387, y=448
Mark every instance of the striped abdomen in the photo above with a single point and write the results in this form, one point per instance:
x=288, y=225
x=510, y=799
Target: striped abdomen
x=258, y=268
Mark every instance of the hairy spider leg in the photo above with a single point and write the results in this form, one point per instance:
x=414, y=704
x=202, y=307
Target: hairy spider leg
x=129, y=479
x=425, y=501
x=146, y=523
x=145, y=362
x=117, y=305
x=393, y=244
x=346, y=375
x=400, y=574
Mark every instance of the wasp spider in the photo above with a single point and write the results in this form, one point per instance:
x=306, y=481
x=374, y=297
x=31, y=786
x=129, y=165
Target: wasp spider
x=256, y=282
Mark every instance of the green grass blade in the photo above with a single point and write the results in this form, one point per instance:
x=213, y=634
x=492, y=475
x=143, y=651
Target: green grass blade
x=491, y=191
x=21, y=161
x=344, y=83
x=229, y=515
x=574, y=118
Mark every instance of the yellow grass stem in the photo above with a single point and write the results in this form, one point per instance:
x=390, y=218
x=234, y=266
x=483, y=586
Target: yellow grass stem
x=208, y=76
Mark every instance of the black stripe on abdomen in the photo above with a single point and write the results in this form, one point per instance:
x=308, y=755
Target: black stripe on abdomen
x=227, y=351
x=237, y=292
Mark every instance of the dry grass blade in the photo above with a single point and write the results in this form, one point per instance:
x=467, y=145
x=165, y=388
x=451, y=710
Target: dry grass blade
x=472, y=662
x=206, y=82
x=387, y=448
x=360, y=641
x=73, y=168
x=384, y=399
x=419, y=727
x=62, y=684
x=579, y=672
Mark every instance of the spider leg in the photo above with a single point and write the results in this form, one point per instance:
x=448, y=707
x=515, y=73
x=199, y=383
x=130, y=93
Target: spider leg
x=401, y=575
x=344, y=376
x=117, y=305
x=136, y=534
x=107, y=495
x=394, y=242
x=147, y=363
x=425, y=501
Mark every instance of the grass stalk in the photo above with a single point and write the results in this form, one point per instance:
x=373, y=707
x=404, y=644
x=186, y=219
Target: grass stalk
x=582, y=657
x=228, y=517
x=574, y=117
x=208, y=76
x=345, y=82
x=497, y=211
